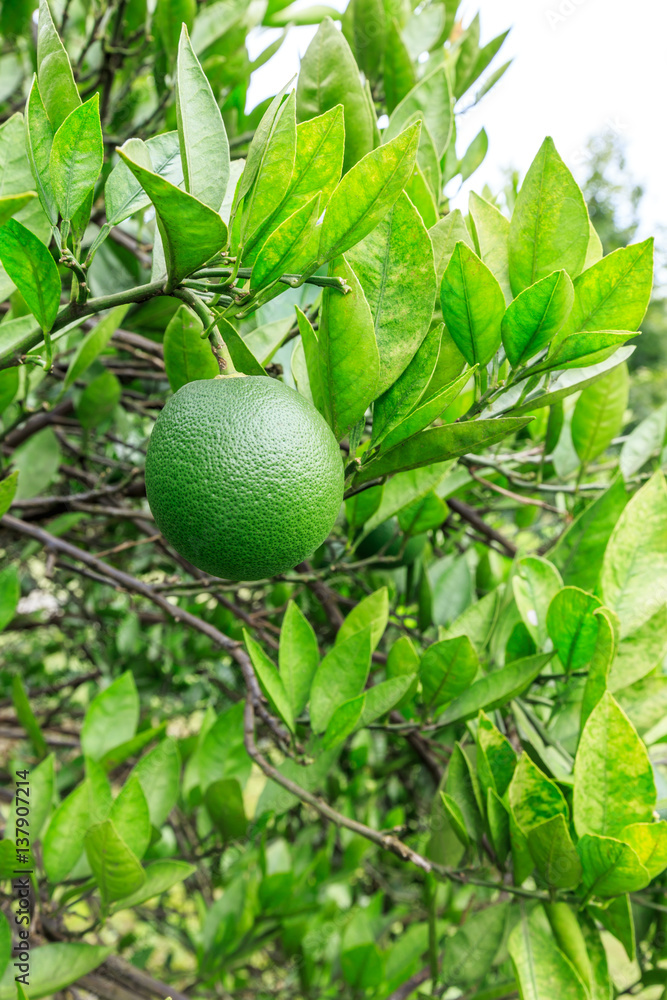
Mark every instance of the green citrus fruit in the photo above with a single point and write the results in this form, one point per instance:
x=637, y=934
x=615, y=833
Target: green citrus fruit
x=243, y=476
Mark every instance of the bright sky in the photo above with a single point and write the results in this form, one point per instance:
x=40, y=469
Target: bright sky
x=581, y=67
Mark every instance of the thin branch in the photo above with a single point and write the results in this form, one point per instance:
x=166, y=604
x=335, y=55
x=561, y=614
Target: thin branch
x=408, y=987
x=470, y=515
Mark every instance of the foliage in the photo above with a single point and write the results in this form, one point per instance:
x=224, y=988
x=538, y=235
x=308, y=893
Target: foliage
x=428, y=760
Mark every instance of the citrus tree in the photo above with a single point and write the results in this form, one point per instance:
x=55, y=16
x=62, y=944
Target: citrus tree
x=348, y=681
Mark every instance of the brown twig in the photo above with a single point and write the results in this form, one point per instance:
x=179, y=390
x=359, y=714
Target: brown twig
x=527, y=501
x=470, y=515
x=410, y=985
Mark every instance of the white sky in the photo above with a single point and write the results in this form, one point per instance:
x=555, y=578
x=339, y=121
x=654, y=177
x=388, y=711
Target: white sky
x=580, y=68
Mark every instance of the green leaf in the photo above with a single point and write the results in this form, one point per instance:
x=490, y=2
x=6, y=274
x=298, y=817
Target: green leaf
x=17, y=179
x=274, y=173
x=63, y=842
x=401, y=311
x=116, y=869
x=9, y=386
x=168, y=19
x=617, y=918
x=191, y=232
x=611, y=868
x=10, y=592
x=270, y=681
x=366, y=193
x=541, y=968
x=160, y=877
x=549, y=230
x=5, y=943
x=55, y=966
x=423, y=515
x=551, y=389
x=462, y=787
x=641, y=652
x=614, y=294
x=94, y=343
x=613, y=777
x=603, y=657
x=123, y=194
x=201, y=131
x=472, y=305
x=496, y=759
x=649, y=842
x=403, y=489
x=38, y=140
x=403, y=659
x=430, y=100
x=111, y=718
x=646, y=440
x=369, y=31
x=579, y=551
x=424, y=415
x=440, y=443
x=447, y=668
x=320, y=145
x=469, y=953
x=76, y=157
x=222, y=752
x=98, y=400
x=535, y=316
x=474, y=155
x=291, y=248
x=224, y=801
x=398, y=72
x=13, y=203
x=569, y=936
x=36, y=461
x=348, y=359
x=159, y=774
x=599, y=414
x=498, y=822
x=298, y=657
x=130, y=748
x=444, y=236
x=456, y=818
x=491, y=232
x=573, y=626
x=33, y=270
x=130, y=817
x=533, y=797
x=42, y=785
x=381, y=698
x=340, y=677
x=257, y=148
x=345, y=719
x=186, y=356
x=595, y=251
x=554, y=853
x=633, y=580
x=535, y=585
x=24, y=712
x=54, y=72
x=394, y=405
x=582, y=350
x=243, y=358
x=496, y=689
x=372, y=612
x=329, y=76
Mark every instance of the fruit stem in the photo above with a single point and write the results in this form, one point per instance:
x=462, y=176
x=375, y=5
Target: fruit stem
x=216, y=341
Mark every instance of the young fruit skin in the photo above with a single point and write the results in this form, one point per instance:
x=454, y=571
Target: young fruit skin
x=243, y=475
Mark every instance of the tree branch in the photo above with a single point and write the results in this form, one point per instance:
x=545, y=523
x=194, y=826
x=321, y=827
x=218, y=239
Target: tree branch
x=385, y=841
